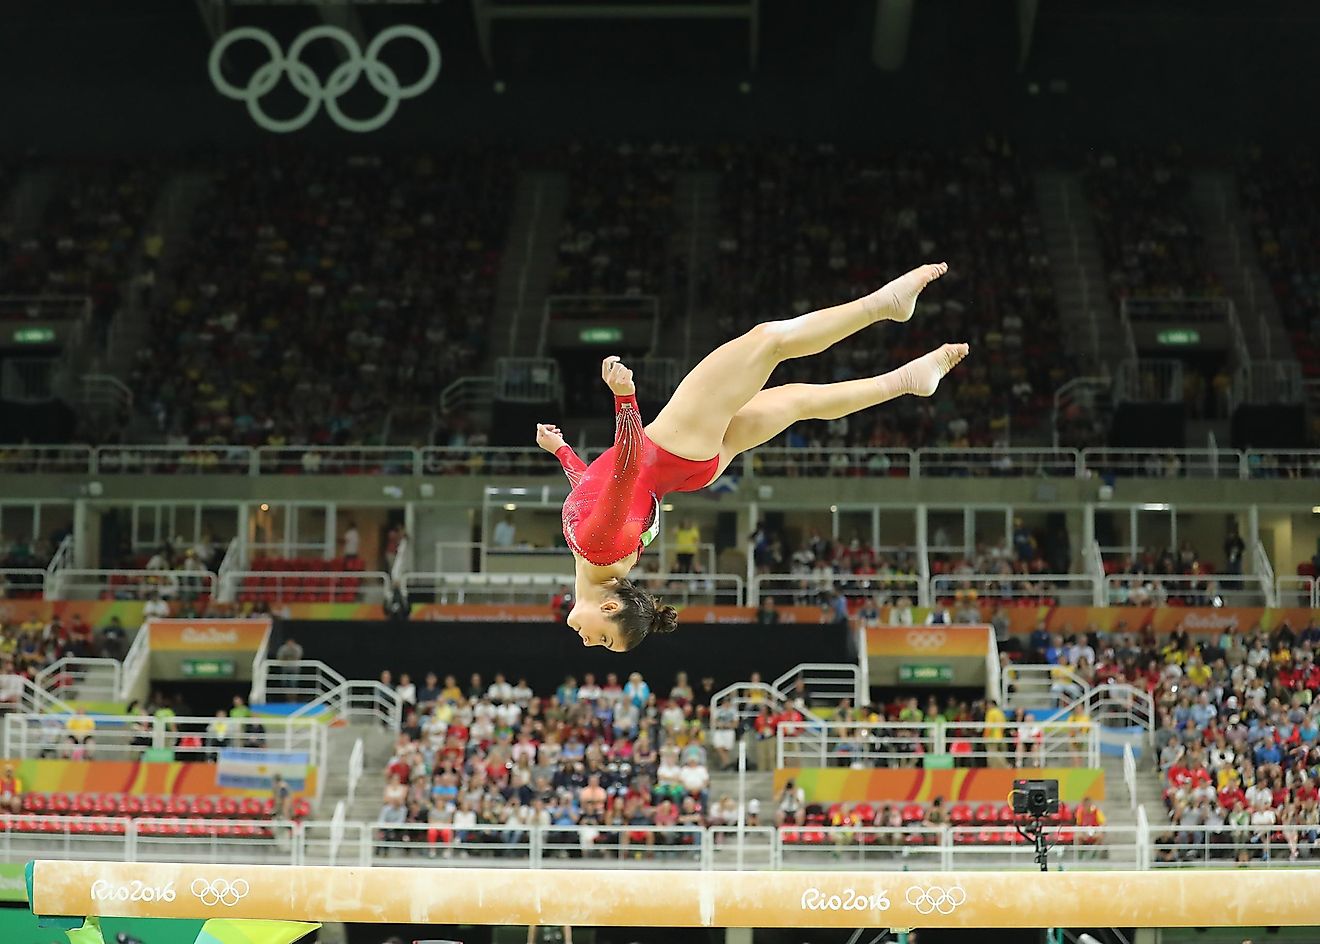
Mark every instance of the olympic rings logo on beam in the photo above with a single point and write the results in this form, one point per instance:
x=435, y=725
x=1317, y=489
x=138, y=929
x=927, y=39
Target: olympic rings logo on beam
x=926, y=639
x=220, y=891
x=928, y=899
x=382, y=78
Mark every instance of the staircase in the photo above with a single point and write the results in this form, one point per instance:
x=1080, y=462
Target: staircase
x=530, y=251
x=1092, y=332
x=378, y=747
x=1232, y=253
x=170, y=219
x=696, y=203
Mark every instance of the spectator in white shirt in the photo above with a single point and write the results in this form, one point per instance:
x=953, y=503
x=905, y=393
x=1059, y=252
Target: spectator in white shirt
x=500, y=690
x=155, y=608
x=695, y=779
x=483, y=710
x=589, y=692
x=522, y=692
x=508, y=714
x=352, y=541
x=407, y=691
x=506, y=533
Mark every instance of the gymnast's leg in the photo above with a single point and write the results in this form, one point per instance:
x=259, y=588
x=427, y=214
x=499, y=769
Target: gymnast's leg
x=694, y=422
x=772, y=411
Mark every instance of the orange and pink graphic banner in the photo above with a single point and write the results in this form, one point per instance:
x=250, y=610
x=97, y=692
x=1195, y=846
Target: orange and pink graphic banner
x=915, y=785
x=207, y=635
x=146, y=779
x=927, y=642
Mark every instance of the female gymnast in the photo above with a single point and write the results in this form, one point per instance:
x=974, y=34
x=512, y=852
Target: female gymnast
x=718, y=411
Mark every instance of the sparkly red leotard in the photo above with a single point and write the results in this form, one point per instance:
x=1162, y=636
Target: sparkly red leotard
x=614, y=500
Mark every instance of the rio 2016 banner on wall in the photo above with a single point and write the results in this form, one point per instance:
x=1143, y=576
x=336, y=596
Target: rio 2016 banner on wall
x=915, y=785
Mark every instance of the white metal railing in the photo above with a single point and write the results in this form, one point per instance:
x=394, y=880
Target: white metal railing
x=824, y=683
x=81, y=679
x=1264, y=572
x=679, y=589
x=260, y=672
x=357, y=699
x=173, y=460
x=766, y=461
x=77, y=584
x=337, y=829
x=19, y=582
x=137, y=662
x=480, y=557
x=1062, y=589
x=1208, y=590
x=283, y=586
x=1058, y=693
x=60, y=561
x=125, y=737
x=1172, y=845
x=1164, y=463
x=1297, y=591
x=18, y=693
x=230, y=562
x=301, y=680
x=815, y=587
x=1093, y=563
x=912, y=846
x=356, y=764
x=1130, y=775
x=897, y=744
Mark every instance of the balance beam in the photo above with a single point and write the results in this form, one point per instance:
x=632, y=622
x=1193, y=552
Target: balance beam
x=672, y=898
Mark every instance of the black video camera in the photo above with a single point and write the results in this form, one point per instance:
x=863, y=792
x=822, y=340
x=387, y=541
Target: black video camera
x=1035, y=798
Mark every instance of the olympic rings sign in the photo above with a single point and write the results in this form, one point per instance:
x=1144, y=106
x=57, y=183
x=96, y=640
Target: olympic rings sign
x=931, y=898
x=345, y=75
x=926, y=639
x=220, y=891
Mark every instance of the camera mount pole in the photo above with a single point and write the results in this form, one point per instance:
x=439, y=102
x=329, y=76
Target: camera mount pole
x=1036, y=833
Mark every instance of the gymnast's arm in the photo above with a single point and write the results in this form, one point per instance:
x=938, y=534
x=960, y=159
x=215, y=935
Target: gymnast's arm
x=549, y=438
x=611, y=506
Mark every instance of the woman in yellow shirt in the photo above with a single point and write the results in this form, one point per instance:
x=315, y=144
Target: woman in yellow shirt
x=687, y=542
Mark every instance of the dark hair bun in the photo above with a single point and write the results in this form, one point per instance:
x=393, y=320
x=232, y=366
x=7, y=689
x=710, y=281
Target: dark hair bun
x=666, y=620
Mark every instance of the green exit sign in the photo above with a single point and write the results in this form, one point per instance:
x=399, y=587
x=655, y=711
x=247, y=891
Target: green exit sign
x=208, y=668
x=600, y=335
x=925, y=674
x=1178, y=336
x=34, y=335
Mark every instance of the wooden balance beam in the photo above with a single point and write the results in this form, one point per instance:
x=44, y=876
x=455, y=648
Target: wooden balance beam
x=674, y=898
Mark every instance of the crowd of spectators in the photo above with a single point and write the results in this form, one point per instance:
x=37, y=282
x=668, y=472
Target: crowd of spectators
x=1139, y=200
x=1237, y=728
x=807, y=226
x=474, y=763
x=87, y=237
x=615, y=238
x=317, y=293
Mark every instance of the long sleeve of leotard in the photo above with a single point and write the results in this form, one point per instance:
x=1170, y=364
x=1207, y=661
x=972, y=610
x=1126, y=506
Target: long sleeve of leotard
x=601, y=527
x=573, y=466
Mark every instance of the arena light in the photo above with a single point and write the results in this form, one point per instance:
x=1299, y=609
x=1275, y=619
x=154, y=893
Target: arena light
x=1155, y=506
x=510, y=506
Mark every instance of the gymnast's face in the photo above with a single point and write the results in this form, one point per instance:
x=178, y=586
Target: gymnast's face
x=594, y=623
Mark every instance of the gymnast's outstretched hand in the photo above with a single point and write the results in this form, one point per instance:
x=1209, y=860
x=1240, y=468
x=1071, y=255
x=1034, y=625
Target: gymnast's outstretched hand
x=617, y=377
x=549, y=438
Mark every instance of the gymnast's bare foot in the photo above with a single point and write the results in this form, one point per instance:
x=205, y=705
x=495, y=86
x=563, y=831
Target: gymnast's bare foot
x=899, y=297
x=922, y=376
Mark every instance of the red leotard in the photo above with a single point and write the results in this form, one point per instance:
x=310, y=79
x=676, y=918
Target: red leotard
x=613, y=500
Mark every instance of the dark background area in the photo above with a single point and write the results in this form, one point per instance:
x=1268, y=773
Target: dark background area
x=131, y=76
x=544, y=653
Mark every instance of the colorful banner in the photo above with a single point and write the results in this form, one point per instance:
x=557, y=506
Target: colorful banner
x=114, y=776
x=924, y=643
x=916, y=785
x=202, y=635
x=95, y=613
x=1203, y=621
x=13, y=887
x=363, y=612
x=253, y=769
